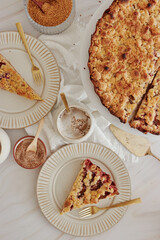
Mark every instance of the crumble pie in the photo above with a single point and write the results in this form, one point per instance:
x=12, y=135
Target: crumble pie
x=124, y=54
x=147, y=119
x=90, y=186
x=12, y=81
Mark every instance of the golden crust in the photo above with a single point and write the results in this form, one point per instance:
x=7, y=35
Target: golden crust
x=124, y=54
x=12, y=81
x=91, y=185
x=147, y=118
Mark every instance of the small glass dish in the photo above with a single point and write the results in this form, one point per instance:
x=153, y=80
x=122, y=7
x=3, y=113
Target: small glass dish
x=51, y=29
x=28, y=161
x=75, y=127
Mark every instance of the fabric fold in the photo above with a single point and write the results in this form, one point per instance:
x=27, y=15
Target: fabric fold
x=66, y=49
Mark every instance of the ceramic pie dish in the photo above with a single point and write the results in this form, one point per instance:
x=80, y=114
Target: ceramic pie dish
x=87, y=83
x=124, y=60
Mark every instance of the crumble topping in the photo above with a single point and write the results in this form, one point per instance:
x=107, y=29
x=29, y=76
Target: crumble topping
x=91, y=185
x=12, y=81
x=124, y=54
x=147, y=119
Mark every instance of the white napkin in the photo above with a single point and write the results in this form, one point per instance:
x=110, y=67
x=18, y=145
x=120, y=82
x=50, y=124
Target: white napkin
x=66, y=49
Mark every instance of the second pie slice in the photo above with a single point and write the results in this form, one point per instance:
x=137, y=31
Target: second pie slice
x=11, y=80
x=90, y=186
x=147, y=119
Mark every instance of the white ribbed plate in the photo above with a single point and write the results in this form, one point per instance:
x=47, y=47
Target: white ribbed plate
x=57, y=176
x=17, y=111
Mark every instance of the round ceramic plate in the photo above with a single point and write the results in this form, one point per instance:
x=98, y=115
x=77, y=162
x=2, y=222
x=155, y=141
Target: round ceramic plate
x=57, y=176
x=17, y=111
x=85, y=76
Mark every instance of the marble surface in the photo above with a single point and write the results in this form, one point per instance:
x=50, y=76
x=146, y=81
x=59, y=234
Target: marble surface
x=20, y=216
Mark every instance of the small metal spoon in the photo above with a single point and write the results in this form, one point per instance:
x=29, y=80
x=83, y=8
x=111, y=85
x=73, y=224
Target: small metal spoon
x=33, y=145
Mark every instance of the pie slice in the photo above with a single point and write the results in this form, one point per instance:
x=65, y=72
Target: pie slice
x=90, y=186
x=147, y=118
x=12, y=81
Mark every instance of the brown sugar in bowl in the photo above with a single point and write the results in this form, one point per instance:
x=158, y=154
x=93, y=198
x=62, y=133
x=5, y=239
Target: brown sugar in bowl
x=29, y=160
x=57, y=17
x=54, y=12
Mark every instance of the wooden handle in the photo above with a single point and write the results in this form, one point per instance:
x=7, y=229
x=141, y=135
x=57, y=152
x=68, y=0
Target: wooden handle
x=37, y=133
x=150, y=153
x=39, y=4
x=21, y=32
x=33, y=145
x=39, y=128
x=137, y=200
x=65, y=101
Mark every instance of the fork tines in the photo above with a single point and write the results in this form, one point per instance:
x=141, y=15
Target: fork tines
x=86, y=212
x=37, y=75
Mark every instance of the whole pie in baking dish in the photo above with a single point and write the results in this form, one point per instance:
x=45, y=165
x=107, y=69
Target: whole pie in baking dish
x=124, y=54
x=147, y=119
x=12, y=81
x=90, y=186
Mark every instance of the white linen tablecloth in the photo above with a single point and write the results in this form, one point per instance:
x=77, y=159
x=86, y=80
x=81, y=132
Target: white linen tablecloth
x=66, y=49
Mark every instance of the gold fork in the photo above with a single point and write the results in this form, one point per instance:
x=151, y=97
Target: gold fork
x=86, y=212
x=37, y=76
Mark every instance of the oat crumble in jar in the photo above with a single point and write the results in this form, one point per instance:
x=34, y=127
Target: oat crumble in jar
x=55, y=17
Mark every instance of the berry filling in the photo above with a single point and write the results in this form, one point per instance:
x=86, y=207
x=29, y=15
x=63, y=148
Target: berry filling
x=81, y=193
x=2, y=63
x=105, y=195
x=5, y=75
x=96, y=186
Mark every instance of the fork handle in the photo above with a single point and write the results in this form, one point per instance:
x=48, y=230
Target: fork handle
x=21, y=32
x=137, y=200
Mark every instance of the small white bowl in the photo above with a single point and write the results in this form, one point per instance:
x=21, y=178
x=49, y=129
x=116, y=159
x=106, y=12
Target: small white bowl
x=5, y=145
x=53, y=29
x=74, y=139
